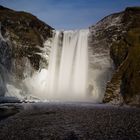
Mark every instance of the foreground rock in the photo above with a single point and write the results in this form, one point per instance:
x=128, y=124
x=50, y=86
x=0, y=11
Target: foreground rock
x=7, y=111
x=72, y=122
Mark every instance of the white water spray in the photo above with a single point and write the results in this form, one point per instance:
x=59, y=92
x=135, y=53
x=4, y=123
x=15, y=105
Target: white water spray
x=76, y=72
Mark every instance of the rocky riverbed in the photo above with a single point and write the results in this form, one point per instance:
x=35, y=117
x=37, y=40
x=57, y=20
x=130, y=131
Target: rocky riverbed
x=70, y=121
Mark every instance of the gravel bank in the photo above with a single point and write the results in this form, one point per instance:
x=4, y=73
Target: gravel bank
x=73, y=121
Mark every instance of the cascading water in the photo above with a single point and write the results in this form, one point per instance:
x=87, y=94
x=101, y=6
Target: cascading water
x=52, y=78
x=75, y=71
x=67, y=78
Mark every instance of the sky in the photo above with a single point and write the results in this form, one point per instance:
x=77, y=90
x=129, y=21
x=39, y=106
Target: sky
x=70, y=14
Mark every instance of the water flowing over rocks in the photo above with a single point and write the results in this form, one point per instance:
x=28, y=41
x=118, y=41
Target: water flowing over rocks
x=113, y=57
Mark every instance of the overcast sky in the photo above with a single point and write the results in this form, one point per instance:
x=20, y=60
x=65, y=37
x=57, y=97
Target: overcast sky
x=70, y=14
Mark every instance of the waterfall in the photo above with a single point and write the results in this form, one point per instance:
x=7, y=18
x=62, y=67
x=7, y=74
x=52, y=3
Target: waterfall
x=75, y=71
x=53, y=67
x=67, y=78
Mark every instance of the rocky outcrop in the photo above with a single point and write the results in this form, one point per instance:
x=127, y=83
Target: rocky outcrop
x=24, y=35
x=120, y=33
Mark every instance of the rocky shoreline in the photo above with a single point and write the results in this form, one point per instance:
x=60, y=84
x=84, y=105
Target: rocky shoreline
x=7, y=110
x=71, y=121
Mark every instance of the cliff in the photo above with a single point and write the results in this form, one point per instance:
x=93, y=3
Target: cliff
x=120, y=33
x=24, y=35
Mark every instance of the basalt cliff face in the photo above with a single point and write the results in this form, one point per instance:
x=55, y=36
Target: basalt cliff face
x=23, y=35
x=120, y=33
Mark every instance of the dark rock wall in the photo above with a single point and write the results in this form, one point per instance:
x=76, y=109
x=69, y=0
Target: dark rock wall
x=125, y=52
x=25, y=34
x=120, y=33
